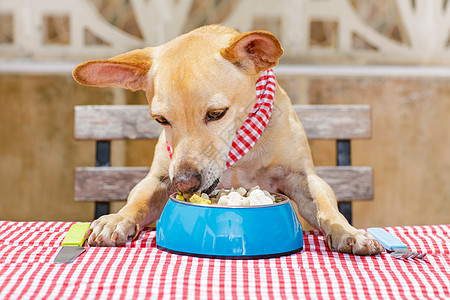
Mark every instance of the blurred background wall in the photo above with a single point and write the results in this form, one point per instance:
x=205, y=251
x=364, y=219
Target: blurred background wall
x=392, y=55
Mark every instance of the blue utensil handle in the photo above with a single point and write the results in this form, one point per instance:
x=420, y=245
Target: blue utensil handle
x=387, y=240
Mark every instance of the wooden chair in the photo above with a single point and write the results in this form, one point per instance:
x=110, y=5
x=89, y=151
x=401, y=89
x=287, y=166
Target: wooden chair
x=105, y=123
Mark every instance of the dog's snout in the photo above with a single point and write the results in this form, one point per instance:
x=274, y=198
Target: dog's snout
x=187, y=182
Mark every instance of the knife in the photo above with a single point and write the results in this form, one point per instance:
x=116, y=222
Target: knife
x=72, y=245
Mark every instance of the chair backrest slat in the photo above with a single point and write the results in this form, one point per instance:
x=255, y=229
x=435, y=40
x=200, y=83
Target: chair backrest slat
x=348, y=183
x=112, y=122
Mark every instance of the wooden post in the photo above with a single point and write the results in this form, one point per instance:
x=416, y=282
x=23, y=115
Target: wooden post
x=344, y=159
x=102, y=159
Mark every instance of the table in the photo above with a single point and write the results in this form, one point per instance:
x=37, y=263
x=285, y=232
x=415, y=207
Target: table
x=140, y=271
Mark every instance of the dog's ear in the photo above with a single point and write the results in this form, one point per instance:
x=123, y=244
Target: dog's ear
x=254, y=51
x=128, y=70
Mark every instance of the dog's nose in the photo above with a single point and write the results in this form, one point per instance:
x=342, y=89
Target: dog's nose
x=187, y=182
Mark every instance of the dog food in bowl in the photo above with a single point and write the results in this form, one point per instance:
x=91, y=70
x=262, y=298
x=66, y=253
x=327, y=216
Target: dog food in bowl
x=233, y=197
x=234, y=230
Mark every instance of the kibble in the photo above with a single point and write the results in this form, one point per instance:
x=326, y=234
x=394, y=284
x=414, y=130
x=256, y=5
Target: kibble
x=233, y=197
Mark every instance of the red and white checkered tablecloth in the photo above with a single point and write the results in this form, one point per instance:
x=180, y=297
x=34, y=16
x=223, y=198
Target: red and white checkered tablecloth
x=141, y=271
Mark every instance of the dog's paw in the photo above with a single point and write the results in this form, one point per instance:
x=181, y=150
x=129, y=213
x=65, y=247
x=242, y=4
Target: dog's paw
x=358, y=242
x=111, y=230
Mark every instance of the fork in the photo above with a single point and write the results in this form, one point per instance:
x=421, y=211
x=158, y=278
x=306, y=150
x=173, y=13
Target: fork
x=394, y=245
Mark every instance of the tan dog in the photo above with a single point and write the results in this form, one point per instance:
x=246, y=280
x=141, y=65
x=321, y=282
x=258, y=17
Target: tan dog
x=200, y=87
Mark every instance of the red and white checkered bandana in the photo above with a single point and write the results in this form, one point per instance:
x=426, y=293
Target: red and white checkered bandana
x=256, y=122
x=257, y=119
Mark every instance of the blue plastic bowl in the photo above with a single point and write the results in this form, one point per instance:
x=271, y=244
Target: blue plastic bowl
x=242, y=232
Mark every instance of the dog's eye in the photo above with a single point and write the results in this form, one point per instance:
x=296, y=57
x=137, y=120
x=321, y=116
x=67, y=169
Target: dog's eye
x=161, y=120
x=215, y=114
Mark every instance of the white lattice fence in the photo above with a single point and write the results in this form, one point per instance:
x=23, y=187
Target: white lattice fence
x=326, y=31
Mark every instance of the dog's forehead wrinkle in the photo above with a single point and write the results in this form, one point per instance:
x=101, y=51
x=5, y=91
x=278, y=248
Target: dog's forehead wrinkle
x=181, y=84
x=168, y=105
x=187, y=105
x=218, y=100
x=156, y=107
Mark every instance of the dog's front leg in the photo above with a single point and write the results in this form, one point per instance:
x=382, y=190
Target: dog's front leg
x=144, y=205
x=318, y=206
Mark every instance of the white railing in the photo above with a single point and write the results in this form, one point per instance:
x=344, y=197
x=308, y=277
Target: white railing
x=66, y=68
